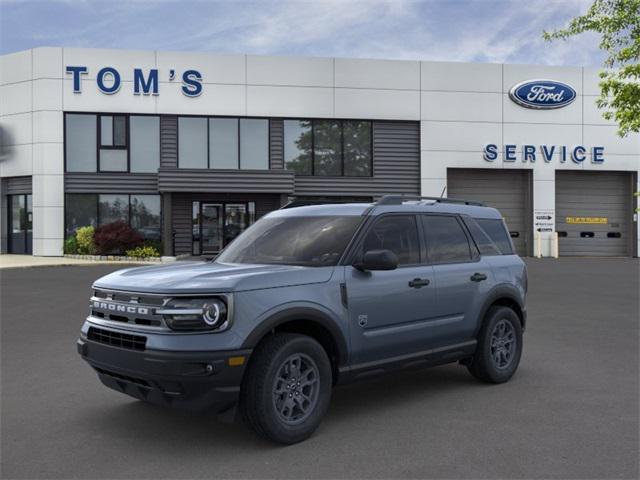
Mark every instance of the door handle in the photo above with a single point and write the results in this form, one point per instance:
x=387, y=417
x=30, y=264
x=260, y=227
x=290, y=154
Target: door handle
x=418, y=282
x=478, y=277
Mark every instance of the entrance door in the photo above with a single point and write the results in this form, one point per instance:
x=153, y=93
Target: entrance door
x=211, y=233
x=235, y=221
x=20, y=224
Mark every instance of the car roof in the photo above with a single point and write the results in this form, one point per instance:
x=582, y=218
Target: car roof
x=356, y=209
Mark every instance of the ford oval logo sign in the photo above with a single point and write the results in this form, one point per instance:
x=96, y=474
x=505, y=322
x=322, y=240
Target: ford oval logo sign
x=542, y=94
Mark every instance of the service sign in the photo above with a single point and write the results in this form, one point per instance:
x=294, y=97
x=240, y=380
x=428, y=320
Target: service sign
x=544, y=220
x=542, y=94
x=587, y=220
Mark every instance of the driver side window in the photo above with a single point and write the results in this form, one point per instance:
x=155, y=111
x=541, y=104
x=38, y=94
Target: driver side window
x=398, y=233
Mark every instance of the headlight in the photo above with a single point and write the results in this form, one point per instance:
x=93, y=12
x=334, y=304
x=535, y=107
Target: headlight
x=195, y=314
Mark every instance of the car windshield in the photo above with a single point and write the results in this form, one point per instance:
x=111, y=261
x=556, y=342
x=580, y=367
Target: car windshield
x=314, y=241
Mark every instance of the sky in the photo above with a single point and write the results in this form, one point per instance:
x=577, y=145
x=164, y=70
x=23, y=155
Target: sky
x=499, y=31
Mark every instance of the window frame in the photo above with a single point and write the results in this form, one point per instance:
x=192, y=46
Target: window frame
x=238, y=118
x=127, y=147
x=341, y=121
x=474, y=253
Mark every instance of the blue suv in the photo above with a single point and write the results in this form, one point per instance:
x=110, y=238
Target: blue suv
x=310, y=297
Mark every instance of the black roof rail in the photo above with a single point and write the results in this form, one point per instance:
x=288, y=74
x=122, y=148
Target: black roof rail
x=305, y=203
x=399, y=199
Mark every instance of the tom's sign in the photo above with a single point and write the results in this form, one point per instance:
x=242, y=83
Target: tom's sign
x=542, y=94
x=109, y=81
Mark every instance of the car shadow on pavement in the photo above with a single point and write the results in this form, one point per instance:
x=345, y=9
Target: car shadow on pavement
x=378, y=396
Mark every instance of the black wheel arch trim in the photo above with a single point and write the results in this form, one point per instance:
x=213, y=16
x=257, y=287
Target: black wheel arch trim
x=503, y=292
x=301, y=314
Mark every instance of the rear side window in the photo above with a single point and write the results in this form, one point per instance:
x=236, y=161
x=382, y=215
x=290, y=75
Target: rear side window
x=446, y=240
x=398, y=234
x=494, y=227
x=480, y=237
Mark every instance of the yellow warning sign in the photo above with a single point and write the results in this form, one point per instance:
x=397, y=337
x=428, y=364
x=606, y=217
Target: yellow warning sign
x=590, y=220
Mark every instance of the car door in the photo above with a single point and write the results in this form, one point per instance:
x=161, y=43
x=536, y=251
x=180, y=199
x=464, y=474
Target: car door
x=462, y=277
x=389, y=310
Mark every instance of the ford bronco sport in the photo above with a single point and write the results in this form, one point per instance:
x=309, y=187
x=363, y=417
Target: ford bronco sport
x=310, y=297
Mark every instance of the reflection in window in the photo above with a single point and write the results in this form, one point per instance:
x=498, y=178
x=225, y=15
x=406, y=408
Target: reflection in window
x=254, y=144
x=327, y=144
x=81, y=210
x=297, y=146
x=80, y=142
x=398, y=234
x=357, y=148
x=446, y=241
x=112, y=208
x=145, y=215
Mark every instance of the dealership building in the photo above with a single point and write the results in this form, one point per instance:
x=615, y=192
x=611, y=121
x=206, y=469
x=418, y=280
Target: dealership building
x=191, y=148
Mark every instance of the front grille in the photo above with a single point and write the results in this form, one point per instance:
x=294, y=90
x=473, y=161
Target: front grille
x=117, y=339
x=131, y=308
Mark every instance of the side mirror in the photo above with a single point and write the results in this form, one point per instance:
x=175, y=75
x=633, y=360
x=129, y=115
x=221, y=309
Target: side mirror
x=377, y=260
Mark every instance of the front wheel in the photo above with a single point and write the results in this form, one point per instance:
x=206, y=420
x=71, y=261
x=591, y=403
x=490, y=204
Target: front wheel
x=287, y=388
x=499, y=346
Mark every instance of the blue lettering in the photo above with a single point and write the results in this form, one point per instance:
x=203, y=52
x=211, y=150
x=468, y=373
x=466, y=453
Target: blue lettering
x=108, y=71
x=578, y=154
x=597, y=155
x=149, y=86
x=547, y=153
x=509, y=153
x=191, y=83
x=490, y=152
x=76, y=72
x=563, y=154
x=529, y=153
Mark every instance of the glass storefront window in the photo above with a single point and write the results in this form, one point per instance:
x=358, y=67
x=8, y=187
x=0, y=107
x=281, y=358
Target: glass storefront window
x=254, y=144
x=80, y=142
x=297, y=146
x=192, y=142
x=145, y=143
x=81, y=210
x=112, y=208
x=145, y=216
x=357, y=148
x=327, y=143
x=112, y=160
x=223, y=143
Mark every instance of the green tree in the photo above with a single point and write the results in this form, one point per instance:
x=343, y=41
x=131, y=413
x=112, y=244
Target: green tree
x=618, y=23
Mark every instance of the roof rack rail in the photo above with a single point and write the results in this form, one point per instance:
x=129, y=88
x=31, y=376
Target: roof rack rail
x=305, y=203
x=399, y=199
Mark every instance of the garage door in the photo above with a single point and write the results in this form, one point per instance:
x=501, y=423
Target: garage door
x=507, y=190
x=593, y=213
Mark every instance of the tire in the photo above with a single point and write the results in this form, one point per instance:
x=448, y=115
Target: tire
x=498, y=362
x=271, y=402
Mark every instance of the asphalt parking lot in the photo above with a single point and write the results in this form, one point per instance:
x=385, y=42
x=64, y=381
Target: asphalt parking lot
x=571, y=411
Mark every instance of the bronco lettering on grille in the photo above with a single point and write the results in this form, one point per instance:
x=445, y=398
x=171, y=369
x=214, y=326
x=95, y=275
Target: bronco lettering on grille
x=118, y=307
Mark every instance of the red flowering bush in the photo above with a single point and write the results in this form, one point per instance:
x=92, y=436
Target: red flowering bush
x=116, y=238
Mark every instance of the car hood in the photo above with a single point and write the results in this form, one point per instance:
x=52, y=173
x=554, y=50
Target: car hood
x=208, y=277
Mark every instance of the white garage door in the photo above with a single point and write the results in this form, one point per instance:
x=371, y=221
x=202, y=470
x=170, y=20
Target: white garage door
x=594, y=213
x=507, y=190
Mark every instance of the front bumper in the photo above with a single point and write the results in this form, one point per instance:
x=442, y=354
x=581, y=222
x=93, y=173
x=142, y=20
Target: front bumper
x=191, y=380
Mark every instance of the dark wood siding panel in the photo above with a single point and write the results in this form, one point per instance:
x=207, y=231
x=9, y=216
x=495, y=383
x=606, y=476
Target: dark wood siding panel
x=110, y=183
x=276, y=147
x=18, y=185
x=168, y=141
x=225, y=181
x=396, y=166
x=182, y=212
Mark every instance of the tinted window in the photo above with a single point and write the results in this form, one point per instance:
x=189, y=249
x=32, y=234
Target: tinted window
x=145, y=143
x=81, y=210
x=398, y=234
x=223, y=143
x=80, y=142
x=297, y=146
x=192, y=142
x=145, y=215
x=306, y=241
x=481, y=239
x=113, y=160
x=112, y=208
x=327, y=142
x=446, y=240
x=497, y=232
x=254, y=144
x=357, y=148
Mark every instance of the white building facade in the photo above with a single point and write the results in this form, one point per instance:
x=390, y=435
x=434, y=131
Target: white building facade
x=191, y=148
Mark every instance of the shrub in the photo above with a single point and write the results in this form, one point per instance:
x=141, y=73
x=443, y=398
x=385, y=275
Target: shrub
x=84, y=239
x=143, y=252
x=71, y=245
x=115, y=238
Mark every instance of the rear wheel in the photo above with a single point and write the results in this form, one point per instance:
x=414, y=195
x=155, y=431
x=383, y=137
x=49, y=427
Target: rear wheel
x=287, y=388
x=499, y=346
